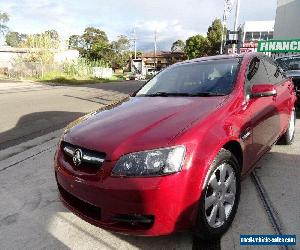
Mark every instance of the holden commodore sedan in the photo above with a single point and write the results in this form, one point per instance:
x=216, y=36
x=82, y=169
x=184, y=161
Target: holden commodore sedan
x=171, y=156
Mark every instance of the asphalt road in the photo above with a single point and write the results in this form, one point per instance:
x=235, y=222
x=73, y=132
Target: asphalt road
x=29, y=110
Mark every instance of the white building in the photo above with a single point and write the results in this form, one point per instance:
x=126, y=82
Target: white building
x=287, y=19
x=252, y=32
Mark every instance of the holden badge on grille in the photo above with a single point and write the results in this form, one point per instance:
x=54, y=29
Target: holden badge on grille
x=77, y=157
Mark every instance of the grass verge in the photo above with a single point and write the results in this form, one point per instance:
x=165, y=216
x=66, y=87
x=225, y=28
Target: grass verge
x=62, y=78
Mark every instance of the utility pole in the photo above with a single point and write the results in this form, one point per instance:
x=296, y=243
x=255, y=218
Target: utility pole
x=223, y=27
x=134, y=39
x=228, y=4
x=155, y=47
x=237, y=12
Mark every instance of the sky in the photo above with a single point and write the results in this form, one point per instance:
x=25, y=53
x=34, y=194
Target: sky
x=172, y=19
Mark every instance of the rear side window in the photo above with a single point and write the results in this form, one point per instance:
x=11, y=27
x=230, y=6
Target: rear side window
x=274, y=72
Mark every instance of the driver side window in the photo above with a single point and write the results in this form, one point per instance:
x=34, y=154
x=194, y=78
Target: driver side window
x=256, y=74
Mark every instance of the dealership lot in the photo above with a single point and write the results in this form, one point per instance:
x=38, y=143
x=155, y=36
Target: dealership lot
x=32, y=217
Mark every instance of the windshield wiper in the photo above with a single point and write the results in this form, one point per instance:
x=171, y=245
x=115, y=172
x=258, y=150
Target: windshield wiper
x=207, y=94
x=167, y=94
x=185, y=94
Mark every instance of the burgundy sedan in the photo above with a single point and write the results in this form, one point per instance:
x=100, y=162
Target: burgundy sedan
x=171, y=156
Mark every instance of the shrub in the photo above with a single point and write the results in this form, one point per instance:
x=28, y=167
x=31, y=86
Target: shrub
x=82, y=67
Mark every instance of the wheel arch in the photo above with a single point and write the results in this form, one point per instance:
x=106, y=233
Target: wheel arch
x=235, y=148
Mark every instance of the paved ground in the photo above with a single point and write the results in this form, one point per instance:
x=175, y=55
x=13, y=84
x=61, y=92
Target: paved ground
x=32, y=217
x=29, y=109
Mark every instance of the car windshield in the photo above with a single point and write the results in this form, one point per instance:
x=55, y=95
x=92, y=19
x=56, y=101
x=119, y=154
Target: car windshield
x=289, y=63
x=206, y=78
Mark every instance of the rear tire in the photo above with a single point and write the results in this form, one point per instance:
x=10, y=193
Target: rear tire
x=220, y=197
x=288, y=137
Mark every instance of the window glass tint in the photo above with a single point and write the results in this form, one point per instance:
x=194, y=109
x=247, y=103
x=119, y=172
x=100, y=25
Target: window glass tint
x=274, y=72
x=256, y=74
x=256, y=35
x=264, y=35
x=248, y=36
x=214, y=76
x=289, y=63
x=271, y=35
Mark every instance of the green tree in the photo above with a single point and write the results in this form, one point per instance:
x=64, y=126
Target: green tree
x=4, y=18
x=95, y=44
x=121, y=45
x=178, y=46
x=14, y=39
x=53, y=34
x=214, y=37
x=42, y=46
x=41, y=41
x=196, y=46
x=75, y=42
x=120, y=52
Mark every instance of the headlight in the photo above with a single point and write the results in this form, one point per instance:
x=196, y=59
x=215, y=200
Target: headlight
x=148, y=163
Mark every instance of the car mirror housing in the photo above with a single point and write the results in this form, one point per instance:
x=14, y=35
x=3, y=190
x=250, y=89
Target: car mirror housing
x=263, y=90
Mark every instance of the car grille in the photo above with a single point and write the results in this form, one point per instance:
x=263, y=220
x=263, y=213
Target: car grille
x=91, y=160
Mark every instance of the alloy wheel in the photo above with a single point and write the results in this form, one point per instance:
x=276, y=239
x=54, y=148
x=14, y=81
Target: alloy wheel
x=220, y=195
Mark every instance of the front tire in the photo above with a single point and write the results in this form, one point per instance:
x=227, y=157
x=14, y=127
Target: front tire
x=220, y=197
x=288, y=137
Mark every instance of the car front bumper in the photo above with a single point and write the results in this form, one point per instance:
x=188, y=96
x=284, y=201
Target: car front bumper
x=148, y=206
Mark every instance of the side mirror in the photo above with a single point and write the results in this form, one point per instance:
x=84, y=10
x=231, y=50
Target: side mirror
x=263, y=90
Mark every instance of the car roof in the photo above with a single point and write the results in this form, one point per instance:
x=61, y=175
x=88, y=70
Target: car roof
x=219, y=57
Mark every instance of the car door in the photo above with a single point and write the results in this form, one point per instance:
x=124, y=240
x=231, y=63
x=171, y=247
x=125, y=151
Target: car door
x=284, y=89
x=263, y=110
